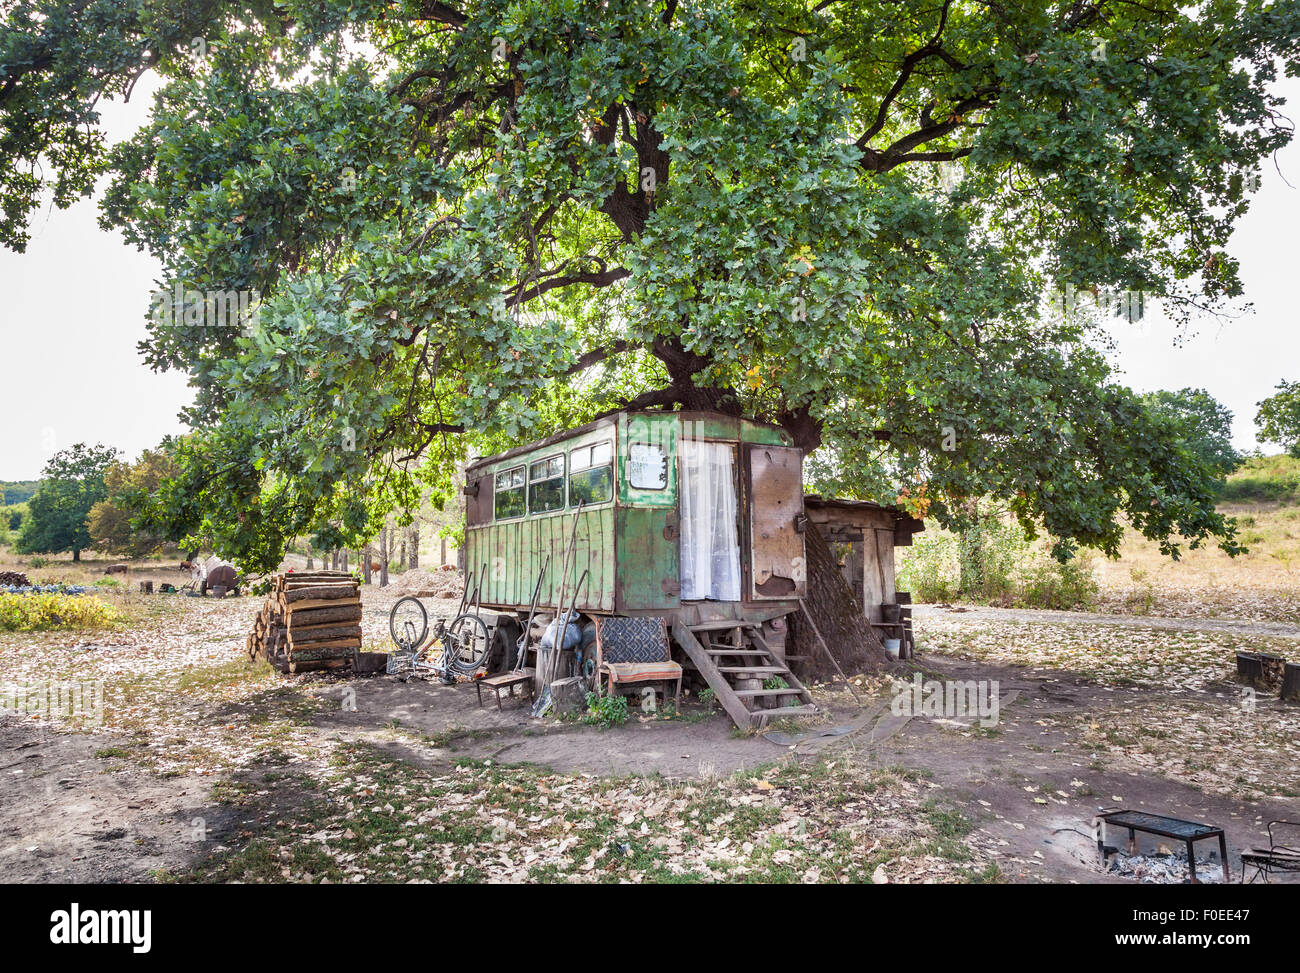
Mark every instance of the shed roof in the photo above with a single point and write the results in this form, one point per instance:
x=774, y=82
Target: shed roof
x=843, y=511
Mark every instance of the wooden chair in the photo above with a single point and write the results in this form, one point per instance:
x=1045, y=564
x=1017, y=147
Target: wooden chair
x=1276, y=857
x=636, y=649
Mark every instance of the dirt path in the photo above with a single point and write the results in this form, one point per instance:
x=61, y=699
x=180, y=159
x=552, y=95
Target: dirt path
x=70, y=812
x=1028, y=615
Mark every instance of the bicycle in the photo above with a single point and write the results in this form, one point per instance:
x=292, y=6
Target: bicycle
x=463, y=645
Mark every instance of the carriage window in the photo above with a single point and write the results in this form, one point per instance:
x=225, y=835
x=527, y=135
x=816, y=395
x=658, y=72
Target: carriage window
x=510, y=493
x=647, y=466
x=546, y=485
x=591, y=474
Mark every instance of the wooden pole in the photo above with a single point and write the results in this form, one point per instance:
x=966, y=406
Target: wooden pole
x=825, y=648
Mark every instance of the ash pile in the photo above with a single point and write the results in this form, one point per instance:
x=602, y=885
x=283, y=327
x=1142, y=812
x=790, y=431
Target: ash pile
x=1164, y=869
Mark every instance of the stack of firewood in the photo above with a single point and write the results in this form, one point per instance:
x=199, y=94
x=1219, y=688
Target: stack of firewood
x=310, y=621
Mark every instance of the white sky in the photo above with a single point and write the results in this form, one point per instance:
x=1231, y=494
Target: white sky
x=72, y=309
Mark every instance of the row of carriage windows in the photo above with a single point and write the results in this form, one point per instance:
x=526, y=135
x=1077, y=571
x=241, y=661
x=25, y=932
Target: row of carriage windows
x=539, y=487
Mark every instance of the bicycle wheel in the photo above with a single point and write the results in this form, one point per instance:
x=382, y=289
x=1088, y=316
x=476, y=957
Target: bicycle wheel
x=466, y=644
x=408, y=623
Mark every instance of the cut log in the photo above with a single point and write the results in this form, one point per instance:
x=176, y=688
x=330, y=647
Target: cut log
x=343, y=643
x=309, y=603
x=318, y=616
x=308, y=622
x=316, y=633
x=318, y=592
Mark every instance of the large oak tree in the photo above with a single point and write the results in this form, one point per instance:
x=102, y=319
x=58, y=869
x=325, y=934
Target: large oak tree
x=473, y=222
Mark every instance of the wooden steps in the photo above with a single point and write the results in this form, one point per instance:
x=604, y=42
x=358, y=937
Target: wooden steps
x=725, y=667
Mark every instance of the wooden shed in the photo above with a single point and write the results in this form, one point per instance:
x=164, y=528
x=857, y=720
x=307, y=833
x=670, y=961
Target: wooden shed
x=863, y=536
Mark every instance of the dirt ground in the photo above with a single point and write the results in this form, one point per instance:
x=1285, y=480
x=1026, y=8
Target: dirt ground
x=85, y=807
x=207, y=767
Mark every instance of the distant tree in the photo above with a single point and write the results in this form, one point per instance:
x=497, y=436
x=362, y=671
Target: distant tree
x=1206, y=423
x=17, y=491
x=115, y=522
x=1278, y=418
x=72, y=483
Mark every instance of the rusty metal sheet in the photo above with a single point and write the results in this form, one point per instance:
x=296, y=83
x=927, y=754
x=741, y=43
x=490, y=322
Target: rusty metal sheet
x=648, y=559
x=776, y=522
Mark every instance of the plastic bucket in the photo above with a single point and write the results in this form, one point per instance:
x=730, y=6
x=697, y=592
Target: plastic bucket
x=893, y=646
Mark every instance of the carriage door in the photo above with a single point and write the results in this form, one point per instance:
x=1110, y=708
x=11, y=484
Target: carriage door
x=710, y=553
x=776, y=521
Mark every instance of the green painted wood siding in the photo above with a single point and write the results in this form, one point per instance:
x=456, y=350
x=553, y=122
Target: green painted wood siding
x=514, y=551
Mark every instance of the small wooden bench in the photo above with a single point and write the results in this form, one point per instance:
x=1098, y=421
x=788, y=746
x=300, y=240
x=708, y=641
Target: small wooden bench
x=505, y=680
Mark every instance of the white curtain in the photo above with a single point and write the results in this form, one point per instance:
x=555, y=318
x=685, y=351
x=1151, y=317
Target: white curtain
x=710, y=541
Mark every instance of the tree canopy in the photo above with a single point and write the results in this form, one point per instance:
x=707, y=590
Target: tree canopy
x=72, y=483
x=1278, y=418
x=465, y=224
x=1207, y=425
x=121, y=521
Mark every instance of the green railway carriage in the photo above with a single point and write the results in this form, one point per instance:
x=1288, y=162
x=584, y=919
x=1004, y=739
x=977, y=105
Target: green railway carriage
x=696, y=516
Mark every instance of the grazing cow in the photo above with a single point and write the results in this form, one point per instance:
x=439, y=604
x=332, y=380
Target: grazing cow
x=116, y=569
x=186, y=566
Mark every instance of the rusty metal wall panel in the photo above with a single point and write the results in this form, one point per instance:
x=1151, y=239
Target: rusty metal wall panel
x=649, y=559
x=774, y=496
x=478, y=504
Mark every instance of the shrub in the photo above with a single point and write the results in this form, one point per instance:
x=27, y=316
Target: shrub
x=929, y=568
x=994, y=563
x=609, y=710
x=51, y=612
x=1050, y=584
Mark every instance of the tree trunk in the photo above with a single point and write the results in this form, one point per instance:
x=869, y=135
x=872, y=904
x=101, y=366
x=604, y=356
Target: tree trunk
x=76, y=554
x=383, y=557
x=831, y=602
x=365, y=563
x=414, y=561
